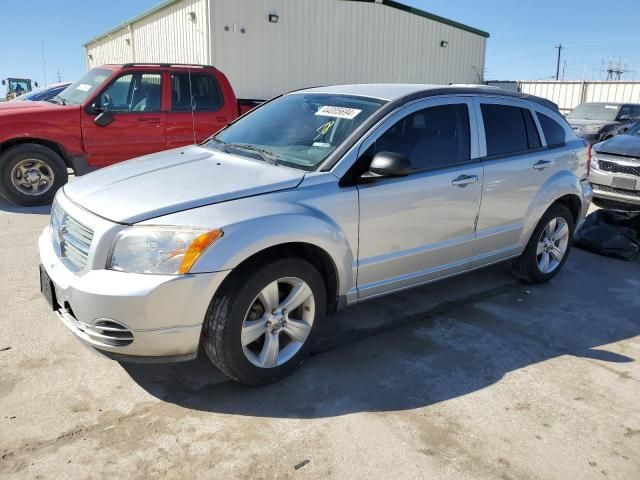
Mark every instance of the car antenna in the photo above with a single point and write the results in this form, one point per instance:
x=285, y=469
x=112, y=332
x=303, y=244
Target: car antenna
x=193, y=117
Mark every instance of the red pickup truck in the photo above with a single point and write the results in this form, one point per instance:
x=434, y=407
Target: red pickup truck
x=113, y=113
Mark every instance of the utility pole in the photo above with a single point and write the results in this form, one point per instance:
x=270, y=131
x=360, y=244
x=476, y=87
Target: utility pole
x=58, y=76
x=559, y=47
x=44, y=66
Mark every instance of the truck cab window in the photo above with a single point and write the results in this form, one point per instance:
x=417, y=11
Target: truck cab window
x=134, y=92
x=198, y=91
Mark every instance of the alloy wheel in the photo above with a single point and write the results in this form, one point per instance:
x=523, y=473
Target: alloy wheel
x=552, y=245
x=278, y=322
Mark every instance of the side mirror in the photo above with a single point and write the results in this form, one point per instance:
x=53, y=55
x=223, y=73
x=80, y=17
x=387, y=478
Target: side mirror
x=104, y=118
x=36, y=84
x=4, y=82
x=387, y=165
x=624, y=118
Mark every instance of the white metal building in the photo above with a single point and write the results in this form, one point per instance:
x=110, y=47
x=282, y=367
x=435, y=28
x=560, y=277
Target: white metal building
x=266, y=47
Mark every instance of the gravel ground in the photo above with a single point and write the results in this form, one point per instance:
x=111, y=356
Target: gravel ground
x=475, y=377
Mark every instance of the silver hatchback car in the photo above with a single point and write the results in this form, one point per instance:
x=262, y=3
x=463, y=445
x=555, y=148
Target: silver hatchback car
x=318, y=199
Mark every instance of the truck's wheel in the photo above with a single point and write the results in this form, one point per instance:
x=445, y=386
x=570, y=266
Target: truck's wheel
x=548, y=247
x=31, y=174
x=263, y=322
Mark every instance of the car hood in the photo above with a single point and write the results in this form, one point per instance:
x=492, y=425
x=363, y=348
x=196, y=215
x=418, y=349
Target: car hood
x=578, y=122
x=30, y=107
x=176, y=180
x=627, y=145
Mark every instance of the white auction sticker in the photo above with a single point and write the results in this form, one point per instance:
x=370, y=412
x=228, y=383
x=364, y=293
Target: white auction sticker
x=85, y=87
x=338, y=112
x=611, y=106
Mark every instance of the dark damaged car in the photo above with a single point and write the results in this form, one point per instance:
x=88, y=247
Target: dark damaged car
x=596, y=122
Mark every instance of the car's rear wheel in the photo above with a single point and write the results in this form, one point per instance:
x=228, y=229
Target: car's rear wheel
x=548, y=247
x=31, y=174
x=262, y=323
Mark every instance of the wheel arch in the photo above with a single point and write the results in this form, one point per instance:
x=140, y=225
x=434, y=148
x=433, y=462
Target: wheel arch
x=563, y=188
x=54, y=146
x=573, y=203
x=313, y=254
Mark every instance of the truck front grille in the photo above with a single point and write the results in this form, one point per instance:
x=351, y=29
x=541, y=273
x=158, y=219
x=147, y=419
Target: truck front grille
x=73, y=239
x=614, y=167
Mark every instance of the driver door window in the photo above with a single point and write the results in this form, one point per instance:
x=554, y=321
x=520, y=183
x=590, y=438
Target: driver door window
x=431, y=138
x=134, y=92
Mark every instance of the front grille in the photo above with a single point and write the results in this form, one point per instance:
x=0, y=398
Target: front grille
x=619, y=191
x=614, y=167
x=72, y=238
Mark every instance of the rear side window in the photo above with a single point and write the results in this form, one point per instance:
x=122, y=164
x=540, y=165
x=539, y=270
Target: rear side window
x=553, y=131
x=508, y=129
x=199, y=91
x=435, y=137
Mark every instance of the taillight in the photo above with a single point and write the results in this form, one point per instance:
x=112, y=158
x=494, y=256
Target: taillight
x=588, y=147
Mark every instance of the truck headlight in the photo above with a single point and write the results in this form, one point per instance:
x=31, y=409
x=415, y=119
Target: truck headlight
x=592, y=128
x=160, y=250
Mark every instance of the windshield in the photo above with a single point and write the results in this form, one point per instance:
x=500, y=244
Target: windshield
x=19, y=86
x=595, y=111
x=79, y=91
x=634, y=130
x=299, y=130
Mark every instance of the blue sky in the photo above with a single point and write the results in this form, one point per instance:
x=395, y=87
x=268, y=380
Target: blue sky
x=523, y=34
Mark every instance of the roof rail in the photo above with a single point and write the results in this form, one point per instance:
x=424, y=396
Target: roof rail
x=165, y=65
x=473, y=85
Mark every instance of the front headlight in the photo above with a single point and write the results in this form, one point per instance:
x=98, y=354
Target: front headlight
x=592, y=128
x=160, y=250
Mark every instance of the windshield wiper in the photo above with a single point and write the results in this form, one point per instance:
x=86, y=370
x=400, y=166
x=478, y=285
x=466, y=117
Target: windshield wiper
x=265, y=155
x=57, y=99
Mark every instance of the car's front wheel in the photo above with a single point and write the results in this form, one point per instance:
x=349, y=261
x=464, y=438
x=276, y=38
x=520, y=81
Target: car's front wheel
x=263, y=321
x=548, y=247
x=30, y=174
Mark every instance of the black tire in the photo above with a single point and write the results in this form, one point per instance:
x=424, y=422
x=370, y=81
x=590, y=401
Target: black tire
x=14, y=155
x=221, y=333
x=526, y=266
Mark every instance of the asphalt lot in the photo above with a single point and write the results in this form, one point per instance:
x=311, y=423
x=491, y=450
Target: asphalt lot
x=475, y=377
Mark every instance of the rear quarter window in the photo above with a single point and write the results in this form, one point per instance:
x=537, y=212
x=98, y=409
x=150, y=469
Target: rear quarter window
x=508, y=129
x=553, y=132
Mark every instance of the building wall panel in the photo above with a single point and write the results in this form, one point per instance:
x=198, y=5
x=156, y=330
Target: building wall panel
x=315, y=42
x=336, y=41
x=168, y=35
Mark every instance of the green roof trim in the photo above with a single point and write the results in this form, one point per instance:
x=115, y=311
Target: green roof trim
x=388, y=3
x=430, y=16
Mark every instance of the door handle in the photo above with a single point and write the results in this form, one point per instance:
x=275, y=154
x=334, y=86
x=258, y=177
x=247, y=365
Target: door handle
x=542, y=164
x=464, y=180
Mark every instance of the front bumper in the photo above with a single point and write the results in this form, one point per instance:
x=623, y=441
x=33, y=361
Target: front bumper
x=162, y=313
x=615, y=186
